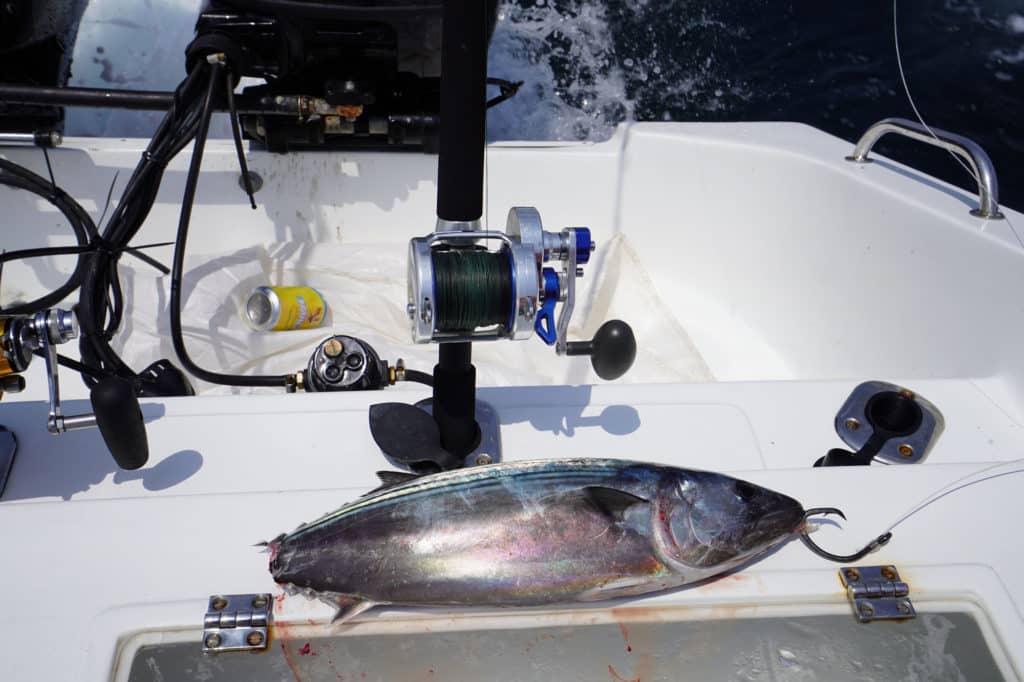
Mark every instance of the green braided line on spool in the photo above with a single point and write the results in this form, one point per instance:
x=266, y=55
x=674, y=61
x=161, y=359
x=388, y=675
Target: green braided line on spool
x=473, y=289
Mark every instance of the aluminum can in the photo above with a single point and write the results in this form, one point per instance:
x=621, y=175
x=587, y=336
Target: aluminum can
x=283, y=308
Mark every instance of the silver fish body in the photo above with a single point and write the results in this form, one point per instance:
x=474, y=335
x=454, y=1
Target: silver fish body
x=533, y=533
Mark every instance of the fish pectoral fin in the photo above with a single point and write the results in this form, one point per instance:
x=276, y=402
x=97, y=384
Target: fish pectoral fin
x=391, y=479
x=615, y=589
x=611, y=502
x=349, y=606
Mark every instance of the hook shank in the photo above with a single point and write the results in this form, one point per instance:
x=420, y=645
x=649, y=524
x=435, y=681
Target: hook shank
x=839, y=558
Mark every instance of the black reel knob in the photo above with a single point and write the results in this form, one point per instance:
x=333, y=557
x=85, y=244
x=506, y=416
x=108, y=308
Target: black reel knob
x=612, y=350
x=119, y=419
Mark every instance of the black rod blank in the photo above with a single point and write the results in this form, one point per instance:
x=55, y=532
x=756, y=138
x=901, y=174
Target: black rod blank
x=460, y=166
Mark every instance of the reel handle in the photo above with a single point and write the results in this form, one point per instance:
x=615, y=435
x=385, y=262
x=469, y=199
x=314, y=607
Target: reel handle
x=119, y=419
x=612, y=350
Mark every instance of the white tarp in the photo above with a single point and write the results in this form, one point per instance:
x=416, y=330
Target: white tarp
x=365, y=289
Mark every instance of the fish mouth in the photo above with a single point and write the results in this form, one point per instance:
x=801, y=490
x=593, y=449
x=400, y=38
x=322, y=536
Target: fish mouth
x=773, y=527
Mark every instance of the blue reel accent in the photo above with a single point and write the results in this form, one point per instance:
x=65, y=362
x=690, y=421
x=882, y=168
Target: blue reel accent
x=583, y=244
x=546, y=316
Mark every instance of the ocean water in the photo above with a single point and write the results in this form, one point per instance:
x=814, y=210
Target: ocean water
x=590, y=64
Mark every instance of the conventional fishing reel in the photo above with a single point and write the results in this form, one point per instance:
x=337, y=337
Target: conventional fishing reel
x=116, y=410
x=469, y=285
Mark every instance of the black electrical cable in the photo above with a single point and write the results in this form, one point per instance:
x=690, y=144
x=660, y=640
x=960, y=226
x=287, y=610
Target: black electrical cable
x=101, y=306
x=72, y=364
x=236, y=133
x=509, y=89
x=13, y=175
x=178, y=264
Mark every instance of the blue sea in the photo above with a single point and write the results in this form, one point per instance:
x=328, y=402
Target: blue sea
x=591, y=65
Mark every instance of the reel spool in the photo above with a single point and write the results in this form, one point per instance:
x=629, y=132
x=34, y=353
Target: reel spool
x=468, y=285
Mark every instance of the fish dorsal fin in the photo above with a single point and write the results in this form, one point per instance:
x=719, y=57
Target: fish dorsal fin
x=392, y=479
x=611, y=502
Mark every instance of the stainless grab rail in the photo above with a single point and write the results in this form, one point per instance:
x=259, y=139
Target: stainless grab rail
x=970, y=151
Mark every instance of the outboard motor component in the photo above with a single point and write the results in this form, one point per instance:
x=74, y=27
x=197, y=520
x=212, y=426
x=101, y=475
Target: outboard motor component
x=887, y=421
x=353, y=74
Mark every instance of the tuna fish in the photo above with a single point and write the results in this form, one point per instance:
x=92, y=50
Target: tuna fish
x=534, y=533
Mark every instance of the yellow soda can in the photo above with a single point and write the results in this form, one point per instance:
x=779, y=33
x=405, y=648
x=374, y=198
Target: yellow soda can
x=282, y=308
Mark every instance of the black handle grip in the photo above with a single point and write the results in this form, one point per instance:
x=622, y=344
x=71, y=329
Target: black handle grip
x=612, y=350
x=119, y=419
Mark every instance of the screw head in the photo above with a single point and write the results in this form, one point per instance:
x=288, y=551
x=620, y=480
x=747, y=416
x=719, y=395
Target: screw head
x=212, y=641
x=255, y=179
x=905, y=450
x=254, y=638
x=333, y=348
x=218, y=603
x=851, y=424
x=866, y=609
x=852, y=575
x=483, y=458
x=903, y=606
x=260, y=602
x=889, y=573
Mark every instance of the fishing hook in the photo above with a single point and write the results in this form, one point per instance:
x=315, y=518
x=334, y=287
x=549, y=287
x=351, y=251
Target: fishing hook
x=838, y=558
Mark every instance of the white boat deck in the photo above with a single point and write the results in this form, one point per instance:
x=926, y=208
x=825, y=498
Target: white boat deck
x=765, y=277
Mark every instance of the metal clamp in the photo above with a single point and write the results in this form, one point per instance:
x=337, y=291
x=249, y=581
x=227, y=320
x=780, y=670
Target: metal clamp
x=236, y=622
x=877, y=593
x=970, y=151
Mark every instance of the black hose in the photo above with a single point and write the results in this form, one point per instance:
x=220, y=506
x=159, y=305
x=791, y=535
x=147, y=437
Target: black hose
x=178, y=264
x=419, y=377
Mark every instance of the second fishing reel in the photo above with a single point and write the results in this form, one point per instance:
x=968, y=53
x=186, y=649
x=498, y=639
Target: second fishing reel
x=468, y=285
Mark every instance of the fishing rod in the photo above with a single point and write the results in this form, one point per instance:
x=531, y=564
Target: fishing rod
x=489, y=284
